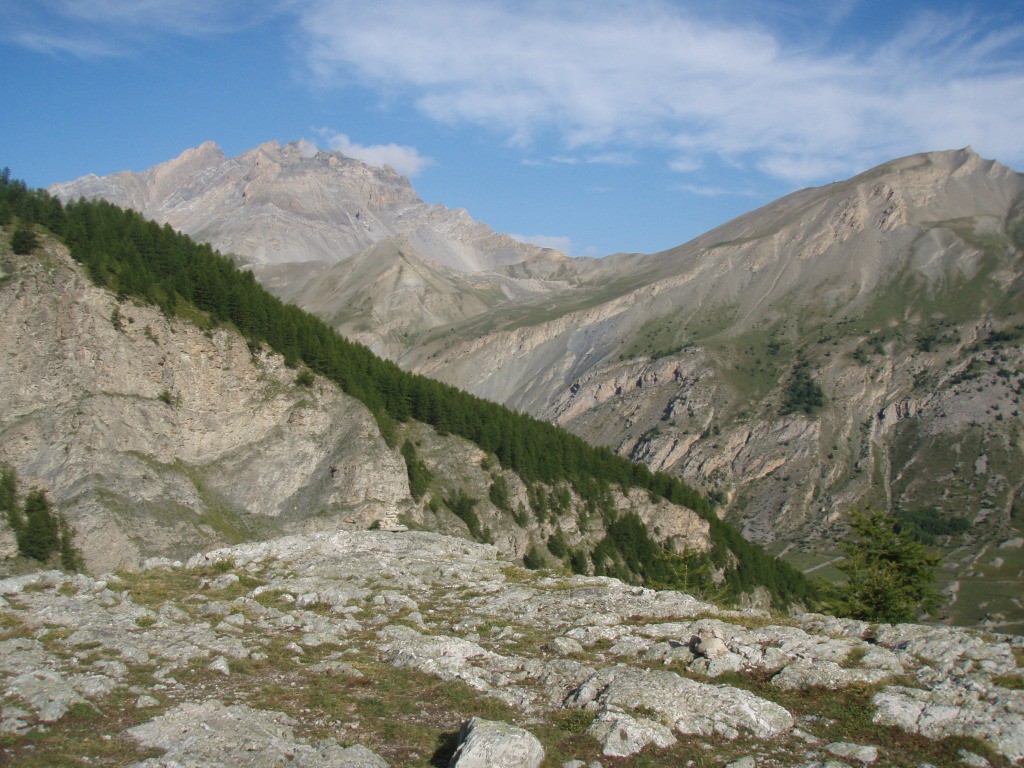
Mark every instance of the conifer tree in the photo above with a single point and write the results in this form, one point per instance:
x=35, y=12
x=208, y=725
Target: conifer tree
x=889, y=573
x=9, y=498
x=24, y=240
x=39, y=537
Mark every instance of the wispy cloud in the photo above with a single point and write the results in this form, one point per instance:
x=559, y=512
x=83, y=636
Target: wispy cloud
x=713, y=191
x=558, y=242
x=778, y=86
x=406, y=160
x=608, y=76
x=102, y=28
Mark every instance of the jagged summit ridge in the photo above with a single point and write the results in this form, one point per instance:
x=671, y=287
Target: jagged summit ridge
x=276, y=204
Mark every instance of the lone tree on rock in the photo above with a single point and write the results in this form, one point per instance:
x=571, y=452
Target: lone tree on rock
x=888, y=572
x=39, y=536
x=24, y=240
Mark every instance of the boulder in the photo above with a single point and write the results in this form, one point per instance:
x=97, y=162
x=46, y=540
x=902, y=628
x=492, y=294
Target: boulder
x=486, y=744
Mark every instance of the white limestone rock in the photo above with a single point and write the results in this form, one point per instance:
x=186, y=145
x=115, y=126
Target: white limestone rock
x=622, y=735
x=486, y=744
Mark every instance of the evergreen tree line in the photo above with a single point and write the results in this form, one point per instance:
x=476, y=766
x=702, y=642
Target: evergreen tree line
x=40, y=531
x=131, y=256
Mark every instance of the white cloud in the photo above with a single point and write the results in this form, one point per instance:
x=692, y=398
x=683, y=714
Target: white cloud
x=558, y=242
x=612, y=77
x=403, y=159
x=685, y=164
x=101, y=28
x=784, y=87
x=713, y=191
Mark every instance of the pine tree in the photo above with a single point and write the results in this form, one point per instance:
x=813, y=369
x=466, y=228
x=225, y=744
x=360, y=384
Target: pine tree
x=70, y=558
x=889, y=573
x=9, y=499
x=24, y=240
x=39, y=537
x=419, y=474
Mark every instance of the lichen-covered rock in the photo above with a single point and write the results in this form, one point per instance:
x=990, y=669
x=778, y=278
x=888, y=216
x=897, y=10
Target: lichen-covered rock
x=855, y=752
x=622, y=735
x=956, y=710
x=487, y=744
x=805, y=674
x=690, y=707
x=210, y=733
x=76, y=642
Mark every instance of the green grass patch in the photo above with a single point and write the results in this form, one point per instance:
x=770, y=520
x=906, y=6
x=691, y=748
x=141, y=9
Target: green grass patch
x=86, y=735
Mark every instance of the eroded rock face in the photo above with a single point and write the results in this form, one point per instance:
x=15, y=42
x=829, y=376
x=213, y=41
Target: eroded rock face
x=631, y=667
x=152, y=435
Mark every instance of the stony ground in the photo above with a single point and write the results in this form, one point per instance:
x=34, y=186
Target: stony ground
x=371, y=649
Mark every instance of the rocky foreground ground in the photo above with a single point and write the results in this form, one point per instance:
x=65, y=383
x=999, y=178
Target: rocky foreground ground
x=370, y=649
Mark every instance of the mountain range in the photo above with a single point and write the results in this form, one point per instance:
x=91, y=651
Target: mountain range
x=857, y=344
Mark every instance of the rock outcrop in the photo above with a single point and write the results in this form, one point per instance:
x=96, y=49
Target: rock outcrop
x=364, y=649
x=153, y=435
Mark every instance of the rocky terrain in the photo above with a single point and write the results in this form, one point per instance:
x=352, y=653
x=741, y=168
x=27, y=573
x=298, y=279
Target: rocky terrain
x=156, y=436
x=367, y=649
x=293, y=203
x=892, y=300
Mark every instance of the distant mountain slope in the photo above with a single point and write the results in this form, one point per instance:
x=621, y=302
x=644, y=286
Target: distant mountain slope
x=387, y=296
x=292, y=203
x=894, y=298
x=854, y=344
x=551, y=498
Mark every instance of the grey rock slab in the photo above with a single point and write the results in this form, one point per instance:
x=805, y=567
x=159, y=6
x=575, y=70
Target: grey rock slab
x=220, y=665
x=954, y=711
x=690, y=707
x=210, y=733
x=947, y=650
x=622, y=735
x=710, y=643
x=450, y=658
x=806, y=673
x=669, y=652
x=488, y=744
x=23, y=654
x=46, y=692
x=855, y=752
x=971, y=759
x=719, y=664
x=564, y=646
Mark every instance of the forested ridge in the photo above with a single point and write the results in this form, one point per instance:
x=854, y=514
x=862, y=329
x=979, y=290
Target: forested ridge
x=134, y=257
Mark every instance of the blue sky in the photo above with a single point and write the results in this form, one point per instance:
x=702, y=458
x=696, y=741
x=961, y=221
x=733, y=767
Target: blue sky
x=596, y=126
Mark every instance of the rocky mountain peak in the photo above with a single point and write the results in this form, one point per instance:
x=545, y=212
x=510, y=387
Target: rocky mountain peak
x=291, y=203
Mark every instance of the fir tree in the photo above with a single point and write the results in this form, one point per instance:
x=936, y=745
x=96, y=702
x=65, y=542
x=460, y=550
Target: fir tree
x=24, y=240
x=419, y=474
x=889, y=573
x=39, y=536
x=9, y=499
